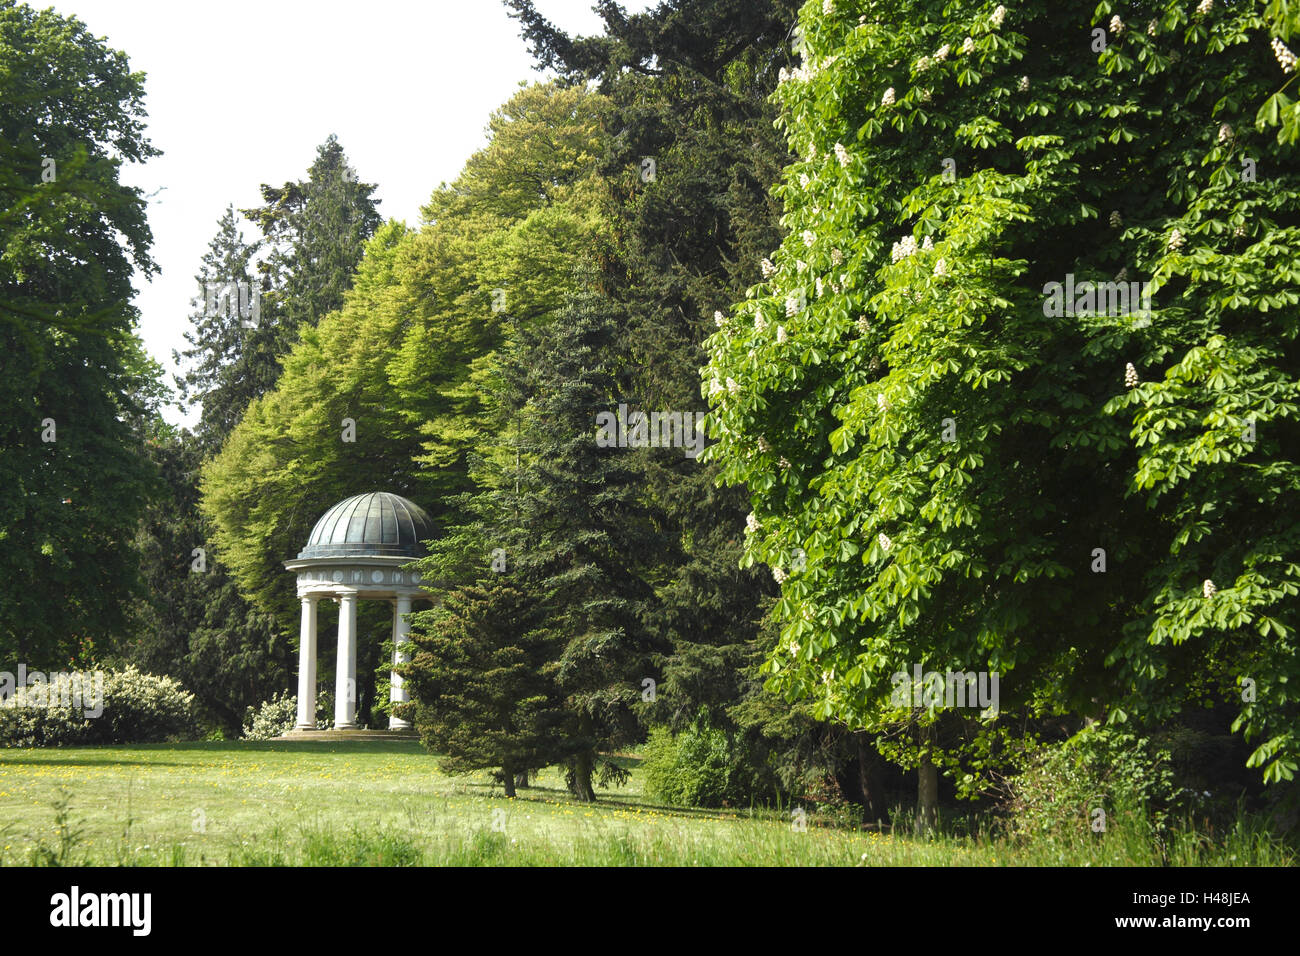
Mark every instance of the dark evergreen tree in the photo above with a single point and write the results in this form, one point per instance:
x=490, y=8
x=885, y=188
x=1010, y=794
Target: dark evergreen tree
x=583, y=539
x=233, y=355
x=315, y=233
x=690, y=83
x=482, y=676
x=193, y=624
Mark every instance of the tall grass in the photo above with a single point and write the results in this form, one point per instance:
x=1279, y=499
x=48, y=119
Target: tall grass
x=249, y=804
x=751, y=842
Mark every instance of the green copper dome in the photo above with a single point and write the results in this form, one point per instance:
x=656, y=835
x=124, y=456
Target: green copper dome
x=377, y=524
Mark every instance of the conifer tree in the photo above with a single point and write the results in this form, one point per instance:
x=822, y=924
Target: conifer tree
x=316, y=232
x=231, y=356
x=482, y=680
x=688, y=179
x=580, y=535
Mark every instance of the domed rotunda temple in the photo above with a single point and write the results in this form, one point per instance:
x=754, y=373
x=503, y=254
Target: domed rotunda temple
x=357, y=552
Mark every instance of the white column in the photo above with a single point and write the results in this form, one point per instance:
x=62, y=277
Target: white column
x=397, y=693
x=345, y=684
x=307, y=666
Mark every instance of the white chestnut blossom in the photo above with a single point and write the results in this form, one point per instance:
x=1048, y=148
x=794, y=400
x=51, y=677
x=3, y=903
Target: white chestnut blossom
x=901, y=250
x=751, y=523
x=967, y=45
x=719, y=320
x=791, y=306
x=733, y=387
x=922, y=64
x=1208, y=589
x=760, y=323
x=783, y=462
x=809, y=237
x=1176, y=240
x=780, y=335
x=778, y=575
x=837, y=257
x=926, y=244
x=863, y=325
x=884, y=541
x=714, y=387
x=1130, y=376
x=888, y=98
x=1285, y=58
x=882, y=403
x=767, y=268
x=783, y=76
x=842, y=154
x=1023, y=85
x=1152, y=27
x=940, y=268
x=1116, y=220
x=1204, y=7
x=941, y=54
x=1116, y=25
x=763, y=446
x=803, y=180
x=999, y=14
x=1225, y=133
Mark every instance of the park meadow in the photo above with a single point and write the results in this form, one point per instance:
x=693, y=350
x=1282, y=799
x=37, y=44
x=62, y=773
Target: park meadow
x=846, y=433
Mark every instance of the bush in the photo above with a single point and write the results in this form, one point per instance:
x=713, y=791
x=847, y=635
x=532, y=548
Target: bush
x=696, y=768
x=271, y=718
x=1062, y=785
x=137, y=708
x=277, y=716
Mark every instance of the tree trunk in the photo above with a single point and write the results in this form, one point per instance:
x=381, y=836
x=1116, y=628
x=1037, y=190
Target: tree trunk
x=521, y=780
x=869, y=779
x=508, y=781
x=583, y=765
x=927, y=790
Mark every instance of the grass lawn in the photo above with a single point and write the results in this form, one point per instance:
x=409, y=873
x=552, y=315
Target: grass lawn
x=386, y=803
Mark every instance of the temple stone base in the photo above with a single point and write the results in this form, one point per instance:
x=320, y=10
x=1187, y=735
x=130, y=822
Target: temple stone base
x=348, y=736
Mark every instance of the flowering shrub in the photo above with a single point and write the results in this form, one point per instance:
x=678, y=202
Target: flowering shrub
x=277, y=716
x=271, y=718
x=138, y=708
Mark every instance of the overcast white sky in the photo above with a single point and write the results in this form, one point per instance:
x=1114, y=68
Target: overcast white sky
x=241, y=93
